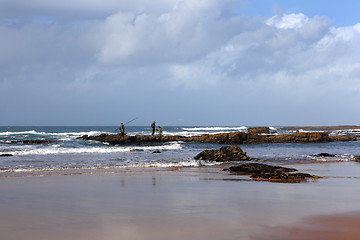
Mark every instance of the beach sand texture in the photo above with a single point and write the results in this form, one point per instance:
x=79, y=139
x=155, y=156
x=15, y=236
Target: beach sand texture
x=182, y=203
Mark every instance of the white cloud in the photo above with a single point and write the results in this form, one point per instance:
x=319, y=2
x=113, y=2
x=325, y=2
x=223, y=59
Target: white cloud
x=187, y=31
x=288, y=21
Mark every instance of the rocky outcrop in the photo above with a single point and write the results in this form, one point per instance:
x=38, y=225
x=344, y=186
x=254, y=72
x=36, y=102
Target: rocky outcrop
x=117, y=139
x=259, y=168
x=259, y=171
x=221, y=138
x=258, y=130
x=34, y=141
x=357, y=158
x=324, y=155
x=6, y=155
x=282, y=177
x=343, y=138
x=224, y=154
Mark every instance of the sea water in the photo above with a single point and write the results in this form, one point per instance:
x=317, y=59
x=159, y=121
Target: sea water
x=67, y=152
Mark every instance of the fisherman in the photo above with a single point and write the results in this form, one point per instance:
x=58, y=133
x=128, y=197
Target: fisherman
x=122, y=130
x=153, y=128
x=160, y=131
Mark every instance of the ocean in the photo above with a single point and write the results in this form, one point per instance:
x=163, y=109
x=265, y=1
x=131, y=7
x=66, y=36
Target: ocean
x=68, y=153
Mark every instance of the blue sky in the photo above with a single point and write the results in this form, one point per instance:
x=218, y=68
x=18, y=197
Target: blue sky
x=342, y=13
x=206, y=62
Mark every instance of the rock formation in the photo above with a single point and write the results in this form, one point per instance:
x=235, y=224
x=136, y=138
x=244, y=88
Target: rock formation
x=259, y=171
x=34, y=141
x=259, y=168
x=6, y=155
x=221, y=138
x=224, y=154
x=257, y=130
x=324, y=155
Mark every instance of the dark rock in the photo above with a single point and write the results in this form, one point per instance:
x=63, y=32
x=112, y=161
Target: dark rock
x=357, y=158
x=260, y=171
x=343, y=138
x=224, y=154
x=324, y=155
x=136, y=150
x=257, y=130
x=34, y=141
x=283, y=177
x=156, y=151
x=6, y=155
x=259, y=168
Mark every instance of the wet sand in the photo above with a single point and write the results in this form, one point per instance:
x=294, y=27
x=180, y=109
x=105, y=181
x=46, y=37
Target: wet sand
x=330, y=227
x=185, y=203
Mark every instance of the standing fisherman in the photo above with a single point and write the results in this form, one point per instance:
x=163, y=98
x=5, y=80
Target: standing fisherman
x=122, y=130
x=153, y=128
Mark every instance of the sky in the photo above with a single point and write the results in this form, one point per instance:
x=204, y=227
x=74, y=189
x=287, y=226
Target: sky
x=179, y=62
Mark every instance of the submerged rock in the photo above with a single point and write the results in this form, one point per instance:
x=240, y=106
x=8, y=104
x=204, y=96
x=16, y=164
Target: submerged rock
x=261, y=171
x=34, y=141
x=324, y=155
x=6, y=155
x=224, y=154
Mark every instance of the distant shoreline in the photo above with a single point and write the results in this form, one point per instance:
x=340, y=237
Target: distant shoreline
x=317, y=128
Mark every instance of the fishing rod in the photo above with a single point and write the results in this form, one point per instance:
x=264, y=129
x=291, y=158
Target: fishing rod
x=128, y=122
x=131, y=120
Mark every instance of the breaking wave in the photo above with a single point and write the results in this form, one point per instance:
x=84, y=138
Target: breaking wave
x=243, y=128
x=57, y=149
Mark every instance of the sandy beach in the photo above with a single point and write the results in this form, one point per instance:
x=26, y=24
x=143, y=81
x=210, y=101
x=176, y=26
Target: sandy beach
x=181, y=203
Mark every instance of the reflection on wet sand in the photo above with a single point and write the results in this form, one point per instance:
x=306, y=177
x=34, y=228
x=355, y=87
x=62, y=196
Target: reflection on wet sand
x=331, y=227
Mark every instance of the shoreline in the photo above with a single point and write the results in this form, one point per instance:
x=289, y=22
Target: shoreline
x=219, y=168
x=210, y=167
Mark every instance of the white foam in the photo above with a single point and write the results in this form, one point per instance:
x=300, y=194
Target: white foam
x=345, y=132
x=242, y=128
x=66, y=135
x=20, y=133
x=342, y=158
x=185, y=163
x=310, y=131
x=57, y=149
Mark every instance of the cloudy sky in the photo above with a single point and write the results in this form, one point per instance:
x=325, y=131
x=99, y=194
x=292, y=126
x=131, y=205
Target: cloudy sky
x=203, y=62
